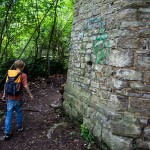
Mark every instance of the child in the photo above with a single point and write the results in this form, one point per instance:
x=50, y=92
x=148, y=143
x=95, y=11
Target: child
x=14, y=102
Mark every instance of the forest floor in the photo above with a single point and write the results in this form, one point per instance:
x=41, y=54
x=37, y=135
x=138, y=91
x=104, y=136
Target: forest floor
x=45, y=127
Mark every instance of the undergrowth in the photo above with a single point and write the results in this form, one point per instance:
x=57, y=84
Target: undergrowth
x=87, y=135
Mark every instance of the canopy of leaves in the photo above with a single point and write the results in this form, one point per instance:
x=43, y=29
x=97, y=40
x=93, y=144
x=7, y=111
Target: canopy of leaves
x=49, y=22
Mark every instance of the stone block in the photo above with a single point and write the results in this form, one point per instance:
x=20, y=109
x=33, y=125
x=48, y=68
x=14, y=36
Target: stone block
x=120, y=58
x=89, y=45
x=118, y=84
x=146, y=76
x=143, y=122
x=132, y=93
x=103, y=86
x=115, y=142
x=140, y=86
x=144, y=15
x=89, y=51
x=88, y=58
x=67, y=108
x=111, y=23
x=128, y=33
x=147, y=133
x=97, y=131
x=127, y=127
x=147, y=96
x=96, y=100
x=143, y=62
x=68, y=98
x=127, y=14
x=94, y=84
x=140, y=106
x=108, y=71
x=83, y=65
x=141, y=145
x=77, y=65
x=76, y=114
x=103, y=94
x=78, y=27
x=86, y=80
x=118, y=103
x=144, y=10
x=128, y=43
x=131, y=24
x=129, y=74
x=144, y=33
x=103, y=120
x=98, y=67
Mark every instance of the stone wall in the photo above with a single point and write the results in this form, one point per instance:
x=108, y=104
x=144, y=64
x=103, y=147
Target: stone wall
x=108, y=82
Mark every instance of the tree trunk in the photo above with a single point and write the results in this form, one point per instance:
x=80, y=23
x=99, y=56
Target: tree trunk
x=38, y=33
x=51, y=36
x=4, y=23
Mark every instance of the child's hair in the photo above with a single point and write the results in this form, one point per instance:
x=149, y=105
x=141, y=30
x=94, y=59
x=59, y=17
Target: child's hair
x=19, y=64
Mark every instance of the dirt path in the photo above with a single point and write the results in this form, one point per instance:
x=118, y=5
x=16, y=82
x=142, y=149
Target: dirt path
x=46, y=128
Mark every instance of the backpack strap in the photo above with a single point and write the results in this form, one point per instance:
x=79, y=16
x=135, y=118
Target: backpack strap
x=17, y=75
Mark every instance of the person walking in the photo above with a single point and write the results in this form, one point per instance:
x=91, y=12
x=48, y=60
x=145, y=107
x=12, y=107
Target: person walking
x=14, y=97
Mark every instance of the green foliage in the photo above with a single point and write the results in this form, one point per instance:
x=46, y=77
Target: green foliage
x=20, y=20
x=85, y=133
x=39, y=68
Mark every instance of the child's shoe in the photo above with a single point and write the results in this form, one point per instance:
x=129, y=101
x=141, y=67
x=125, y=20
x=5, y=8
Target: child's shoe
x=7, y=136
x=20, y=129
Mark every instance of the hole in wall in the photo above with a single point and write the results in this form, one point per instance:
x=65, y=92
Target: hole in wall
x=89, y=63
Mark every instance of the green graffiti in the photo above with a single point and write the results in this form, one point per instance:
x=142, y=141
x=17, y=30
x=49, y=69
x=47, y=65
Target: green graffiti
x=101, y=46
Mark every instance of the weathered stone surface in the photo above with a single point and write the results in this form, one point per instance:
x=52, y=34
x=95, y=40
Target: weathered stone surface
x=120, y=58
x=88, y=123
x=118, y=103
x=146, y=77
x=144, y=33
x=129, y=24
x=108, y=78
x=97, y=131
x=143, y=62
x=87, y=58
x=128, y=43
x=128, y=74
x=98, y=67
x=147, y=96
x=140, y=144
x=94, y=84
x=115, y=142
x=102, y=120
x=127, y=127
x=147, y=133
x=118, y=84
x=143, y=122
x=103, y=94
x=140, y=106
x=89, y=45
x=140, y=86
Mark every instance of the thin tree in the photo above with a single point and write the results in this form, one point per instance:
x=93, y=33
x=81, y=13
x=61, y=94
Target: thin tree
x=5, y=22
x=51, y=35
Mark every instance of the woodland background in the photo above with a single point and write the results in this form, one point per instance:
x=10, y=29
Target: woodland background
x=38, y=32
